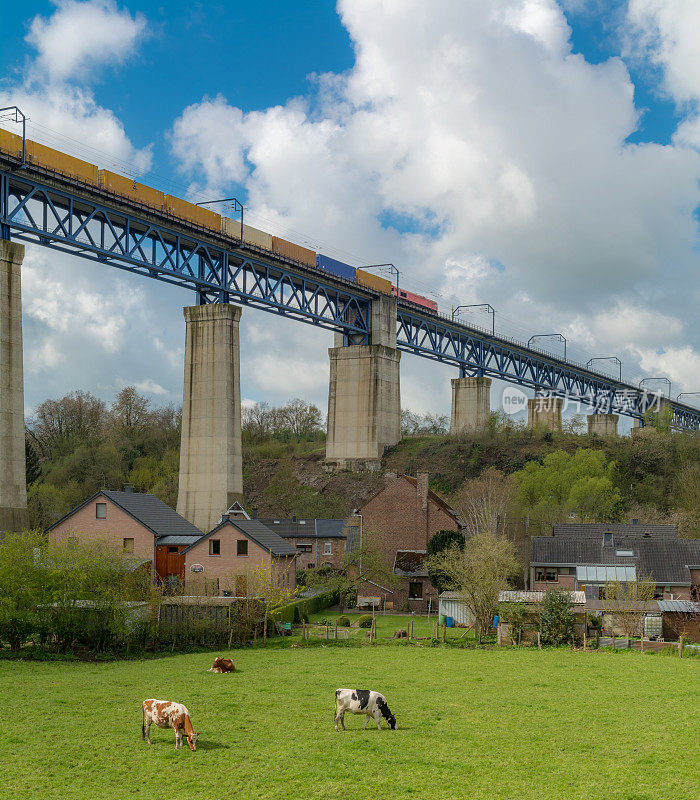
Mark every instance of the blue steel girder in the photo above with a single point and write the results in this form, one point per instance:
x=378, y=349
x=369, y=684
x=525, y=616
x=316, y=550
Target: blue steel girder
x=80, y=220
x=34, y=211
x=477, y=353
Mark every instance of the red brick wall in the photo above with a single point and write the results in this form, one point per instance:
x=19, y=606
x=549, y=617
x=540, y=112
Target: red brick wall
x=403, y=517
x=563, y=582
x=227, y=566
x=117, y=526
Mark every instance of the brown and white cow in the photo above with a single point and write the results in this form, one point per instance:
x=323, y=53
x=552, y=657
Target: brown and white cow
x=167, y=714
x=222, y=665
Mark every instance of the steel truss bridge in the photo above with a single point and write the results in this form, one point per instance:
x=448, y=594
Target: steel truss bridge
x=46, y=208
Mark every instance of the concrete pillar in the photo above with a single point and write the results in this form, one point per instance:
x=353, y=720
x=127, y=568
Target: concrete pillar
x=545, y=412
x=603, y=424
x=13, y=477
x=211, y=469
x=471, y=405
x=364, y=399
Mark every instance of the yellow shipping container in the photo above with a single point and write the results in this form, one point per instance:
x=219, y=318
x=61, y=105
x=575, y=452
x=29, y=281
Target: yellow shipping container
x=374, y=282
x=49, y=158
x=196, y=214
x=251, y=235
x=127, y=187
x=10, y=143
x=293, y=251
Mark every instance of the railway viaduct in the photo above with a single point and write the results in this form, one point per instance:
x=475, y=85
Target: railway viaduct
x=372, y=331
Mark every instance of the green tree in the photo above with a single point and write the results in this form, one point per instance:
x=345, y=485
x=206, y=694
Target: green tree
x=358, y=566
x=557, y=618
x=33, y=467
x=20, y=587
x=440, y=541
x=583, y=483
x=478, y=572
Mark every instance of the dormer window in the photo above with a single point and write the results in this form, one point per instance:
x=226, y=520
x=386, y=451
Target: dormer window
x=607, y=539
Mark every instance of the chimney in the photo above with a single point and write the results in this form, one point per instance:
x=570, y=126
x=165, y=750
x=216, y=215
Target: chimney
x=422, y=489
x=129, y=488
x=254, y=513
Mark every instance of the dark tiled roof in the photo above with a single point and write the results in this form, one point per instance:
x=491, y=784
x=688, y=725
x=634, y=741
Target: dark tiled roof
x=306, y=528
x=180, y=540
x=146, y=509
x=259, y=533
x=353, y=539
x=154, y=513
x=597, y=529
x=666, y=560
x=410, y=563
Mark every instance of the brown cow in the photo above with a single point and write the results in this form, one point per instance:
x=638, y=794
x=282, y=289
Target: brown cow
x=166, y=714
x=222, y=665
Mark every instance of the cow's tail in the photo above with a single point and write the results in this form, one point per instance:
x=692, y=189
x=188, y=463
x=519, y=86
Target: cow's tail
x=143, y=724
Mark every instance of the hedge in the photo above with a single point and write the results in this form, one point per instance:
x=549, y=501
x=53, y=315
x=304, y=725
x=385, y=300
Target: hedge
x=294, y=612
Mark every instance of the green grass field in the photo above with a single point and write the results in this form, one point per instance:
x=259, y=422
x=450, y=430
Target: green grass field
x=501, y=723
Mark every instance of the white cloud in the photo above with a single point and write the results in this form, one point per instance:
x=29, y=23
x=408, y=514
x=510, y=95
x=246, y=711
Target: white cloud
x=666, y=33
x=71, y=44
x=680, y=364
x=502, y=153
x=80, y=36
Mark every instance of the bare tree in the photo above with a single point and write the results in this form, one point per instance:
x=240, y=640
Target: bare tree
x=478, y=573
x=59, y=424
x=484, y=502
x=300, y=418
x=625, y=601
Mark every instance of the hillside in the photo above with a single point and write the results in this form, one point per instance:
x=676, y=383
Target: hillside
x=79, y=444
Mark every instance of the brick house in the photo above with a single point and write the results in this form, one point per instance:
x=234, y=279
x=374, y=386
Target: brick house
x=399, y=521
x=317, y=541
x=234, y=550
x=139, y=525
x=587, y=556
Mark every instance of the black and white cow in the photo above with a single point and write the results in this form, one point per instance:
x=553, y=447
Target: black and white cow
x=362, y=701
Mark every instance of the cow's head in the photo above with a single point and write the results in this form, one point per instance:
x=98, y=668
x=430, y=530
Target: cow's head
x=192, y=740
x=386, y=713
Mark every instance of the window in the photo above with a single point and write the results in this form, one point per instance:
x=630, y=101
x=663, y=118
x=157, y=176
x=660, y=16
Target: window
x=100, y=510
x=550, y=575
x=607, y=539
x=539, y=574
x=327, y=549
x=624, y=553
x=128, y=545
x=242, y=547
x=305, y=548
x=415, y=590
x=172, y=548
x=215, y=547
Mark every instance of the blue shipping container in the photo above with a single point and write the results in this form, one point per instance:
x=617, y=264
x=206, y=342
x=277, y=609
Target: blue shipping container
x=335, y=267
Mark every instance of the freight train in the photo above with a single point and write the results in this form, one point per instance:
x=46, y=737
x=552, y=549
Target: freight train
x=119, y=186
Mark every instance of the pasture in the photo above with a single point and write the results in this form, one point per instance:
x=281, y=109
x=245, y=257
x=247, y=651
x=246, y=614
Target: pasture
x=501, y=723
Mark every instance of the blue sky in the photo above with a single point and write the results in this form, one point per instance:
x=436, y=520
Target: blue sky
x=540, y=156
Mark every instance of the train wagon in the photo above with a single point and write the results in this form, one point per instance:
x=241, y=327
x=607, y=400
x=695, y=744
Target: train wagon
x=374, y=282
x=189, y=211
x=47, y=157
x=418, y=299
x=10, y=143
x=251, y=235
x=328, y=264
x=294, y=251
x=127, y=187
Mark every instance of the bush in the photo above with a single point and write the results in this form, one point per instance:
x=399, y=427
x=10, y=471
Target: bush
x=557, y=618
x=365, y=621
x=343, y=621
x=306, y=606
